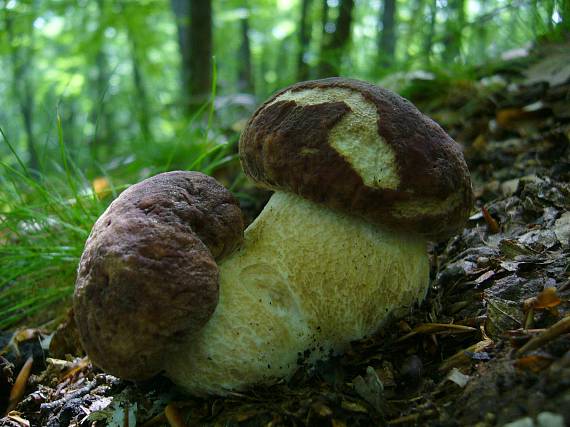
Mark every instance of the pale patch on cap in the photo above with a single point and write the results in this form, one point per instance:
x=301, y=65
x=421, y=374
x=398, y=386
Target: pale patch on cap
x=355, y=137
x=426, y=207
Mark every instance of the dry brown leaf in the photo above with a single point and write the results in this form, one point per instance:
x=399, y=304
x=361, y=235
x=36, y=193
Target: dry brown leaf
x=461, y=357
x=19, y=386
x=77, y=367
x=174, y=416
x=492, y=224
x=534, y=363
x=16, y=417
x=548, y=298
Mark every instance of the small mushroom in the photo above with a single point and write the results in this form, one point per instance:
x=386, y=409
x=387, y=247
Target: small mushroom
x=362, y=180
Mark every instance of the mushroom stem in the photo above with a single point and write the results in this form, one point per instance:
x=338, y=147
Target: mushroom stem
x=306, y=281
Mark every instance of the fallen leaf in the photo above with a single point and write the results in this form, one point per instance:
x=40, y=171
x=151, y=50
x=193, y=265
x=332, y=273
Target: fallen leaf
x=492, y=224
x=458, y=377
x=548, y=298
x=534, y=363
x=19, y=386
x=353, y=407
x=174, y=416
x=370, y=388
x=15, y=416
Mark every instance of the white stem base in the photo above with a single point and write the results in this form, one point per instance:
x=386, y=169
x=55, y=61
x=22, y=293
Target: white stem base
x=306, y=278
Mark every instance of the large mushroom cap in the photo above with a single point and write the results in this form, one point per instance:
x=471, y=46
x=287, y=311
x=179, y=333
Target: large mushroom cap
x=362, y=149
x=148, y=275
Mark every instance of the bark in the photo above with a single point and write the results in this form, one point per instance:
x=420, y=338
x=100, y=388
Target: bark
x=333, y=49
x=142, y=113
x=200, y=44
x=181, y=10
x=194, y=23
x=304, y=41
x=245, y=77
x=101, y=115
x=428, y=41
x=324, y=35
x=387, y=34
x=565, y=15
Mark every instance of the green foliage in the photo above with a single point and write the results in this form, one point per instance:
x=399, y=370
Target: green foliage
x=43, y=225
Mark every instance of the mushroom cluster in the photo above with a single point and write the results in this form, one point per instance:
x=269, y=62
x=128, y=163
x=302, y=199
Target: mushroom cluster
x=169, y=281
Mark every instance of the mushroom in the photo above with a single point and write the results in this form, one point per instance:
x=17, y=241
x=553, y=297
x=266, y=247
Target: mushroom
x=362, y=180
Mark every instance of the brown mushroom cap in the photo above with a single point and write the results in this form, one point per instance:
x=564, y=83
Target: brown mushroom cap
x=362, y=149
x=148, y=275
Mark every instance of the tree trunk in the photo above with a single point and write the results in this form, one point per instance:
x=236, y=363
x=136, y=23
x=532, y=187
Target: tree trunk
x=304, y=41
x=142, y=112
x=181, y=10
x=101, y=116
x=333, y=49
x=194, y=22
x=565, y=15
x=324, y=35
x=245, y=77
x=200, y=43
x=21, y=59
x=481, y=41
x=428, y=41
x=387, y=35
x=453, y=29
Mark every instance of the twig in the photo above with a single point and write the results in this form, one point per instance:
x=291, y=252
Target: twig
x=77, y=393
x=432, y=328
x=559, y=328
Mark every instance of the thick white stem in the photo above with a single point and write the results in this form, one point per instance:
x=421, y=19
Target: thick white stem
x=306, y=281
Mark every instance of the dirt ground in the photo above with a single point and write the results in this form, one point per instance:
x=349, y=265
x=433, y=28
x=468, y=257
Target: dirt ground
x=490, y=346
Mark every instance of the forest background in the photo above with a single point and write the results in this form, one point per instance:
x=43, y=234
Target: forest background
x=99, y=94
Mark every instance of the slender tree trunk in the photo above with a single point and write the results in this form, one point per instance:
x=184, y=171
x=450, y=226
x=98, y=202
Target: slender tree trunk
x=283, y=61
x=22, y=61
x=324, y=35
x=565, y=15
x=142, y=112
x=453, y=29
x=181, y=10
x=101, y=115
x=430, y=34
x=194, y=22
x=200, y=43
x=481, y=42
x=245, y=77
x=387, y=34
x=304, y=41
x=334, y=48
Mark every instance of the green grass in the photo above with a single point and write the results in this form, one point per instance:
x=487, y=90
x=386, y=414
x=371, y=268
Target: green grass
x=46, y=217
x=44, y=221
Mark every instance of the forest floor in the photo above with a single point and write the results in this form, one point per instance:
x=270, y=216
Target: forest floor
x=489, y=346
